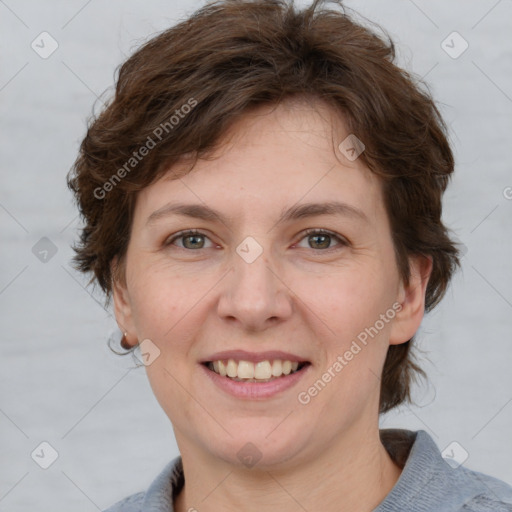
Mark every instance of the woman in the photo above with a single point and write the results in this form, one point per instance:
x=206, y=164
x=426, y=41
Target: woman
x=262, y=201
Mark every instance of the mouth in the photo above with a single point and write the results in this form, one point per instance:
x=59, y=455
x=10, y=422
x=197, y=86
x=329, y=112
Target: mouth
x=267, y=370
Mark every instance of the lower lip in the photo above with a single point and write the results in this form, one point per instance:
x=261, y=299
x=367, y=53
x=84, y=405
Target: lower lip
x=255, y=390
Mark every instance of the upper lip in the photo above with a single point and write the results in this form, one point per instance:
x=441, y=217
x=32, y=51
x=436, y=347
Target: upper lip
x=255, y=357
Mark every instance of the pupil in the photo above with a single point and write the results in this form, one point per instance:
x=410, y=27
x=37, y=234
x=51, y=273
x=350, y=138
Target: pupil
x=325, y=237
x=189, y=237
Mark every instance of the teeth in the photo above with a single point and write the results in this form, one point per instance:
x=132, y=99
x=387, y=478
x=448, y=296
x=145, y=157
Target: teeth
x=277, y=366
x=263, y=370
x=247, y=370
x=232, y=368
x=222, y=368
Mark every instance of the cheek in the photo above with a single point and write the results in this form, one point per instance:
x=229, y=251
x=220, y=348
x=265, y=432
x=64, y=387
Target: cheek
x=359, y=294
x=159, y=302
x=357, y=310
x=168, y=388
x=356, y=342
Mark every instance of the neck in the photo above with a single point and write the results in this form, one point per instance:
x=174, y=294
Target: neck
x=354, y=474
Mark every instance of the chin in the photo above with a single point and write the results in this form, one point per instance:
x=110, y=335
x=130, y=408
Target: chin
x=253, y=450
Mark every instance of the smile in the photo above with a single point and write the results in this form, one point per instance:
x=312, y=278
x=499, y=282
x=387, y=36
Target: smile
x=261, y=371
x=255, y=387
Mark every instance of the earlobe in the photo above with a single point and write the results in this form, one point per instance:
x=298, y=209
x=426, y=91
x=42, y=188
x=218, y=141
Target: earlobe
x=412, y=299
x=122, y=305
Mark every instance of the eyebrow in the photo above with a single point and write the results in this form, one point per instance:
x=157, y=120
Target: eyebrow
x=300, y=211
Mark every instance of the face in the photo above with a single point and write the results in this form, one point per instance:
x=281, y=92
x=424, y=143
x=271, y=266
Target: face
x=261, y=282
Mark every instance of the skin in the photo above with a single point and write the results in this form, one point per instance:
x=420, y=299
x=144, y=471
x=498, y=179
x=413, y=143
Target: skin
x=304, y=294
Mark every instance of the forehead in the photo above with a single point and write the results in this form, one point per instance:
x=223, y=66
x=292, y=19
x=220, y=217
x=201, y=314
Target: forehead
x=270, y=158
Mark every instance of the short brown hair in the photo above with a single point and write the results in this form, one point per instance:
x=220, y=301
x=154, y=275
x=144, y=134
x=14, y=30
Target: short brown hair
x=232, y=55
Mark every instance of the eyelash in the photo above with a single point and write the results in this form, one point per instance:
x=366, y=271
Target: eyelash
x=308, y=232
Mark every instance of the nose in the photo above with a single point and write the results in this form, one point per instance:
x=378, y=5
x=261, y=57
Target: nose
x=255, y=295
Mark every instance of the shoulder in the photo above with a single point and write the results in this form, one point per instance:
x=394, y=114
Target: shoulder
x=493, y=494
x=431, y=481
x=160, y=493
x=132, y=503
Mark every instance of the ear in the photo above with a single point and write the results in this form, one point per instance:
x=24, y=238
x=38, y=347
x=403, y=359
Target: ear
x=122, y=304
x=412, y=298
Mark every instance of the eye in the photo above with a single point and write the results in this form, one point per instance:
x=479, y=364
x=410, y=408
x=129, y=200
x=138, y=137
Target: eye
x=322, y=238
x=192, y=239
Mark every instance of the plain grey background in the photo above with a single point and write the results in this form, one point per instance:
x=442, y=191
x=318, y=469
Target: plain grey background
x=60, y=384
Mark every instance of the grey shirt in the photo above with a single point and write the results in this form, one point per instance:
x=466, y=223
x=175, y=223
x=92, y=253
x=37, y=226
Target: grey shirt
x=428, y=483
